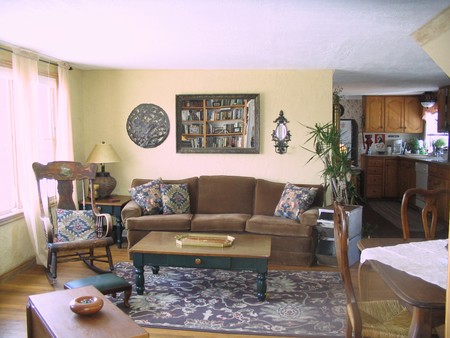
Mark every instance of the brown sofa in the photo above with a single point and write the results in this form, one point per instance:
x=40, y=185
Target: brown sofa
x=234, y=204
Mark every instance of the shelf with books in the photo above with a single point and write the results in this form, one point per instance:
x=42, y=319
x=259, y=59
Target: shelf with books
x=227, y=123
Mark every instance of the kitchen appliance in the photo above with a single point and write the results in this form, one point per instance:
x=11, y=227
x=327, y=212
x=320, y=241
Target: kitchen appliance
x=349, y=137
x=398, y=147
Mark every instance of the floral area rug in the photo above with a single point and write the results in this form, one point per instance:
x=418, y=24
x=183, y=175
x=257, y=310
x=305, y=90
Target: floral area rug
x=298, y=303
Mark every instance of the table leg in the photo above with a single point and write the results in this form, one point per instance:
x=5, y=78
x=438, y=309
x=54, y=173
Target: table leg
x=261, y=286
x=421, y=323
x=139, y=279
x=119, y=228
x=155, y=269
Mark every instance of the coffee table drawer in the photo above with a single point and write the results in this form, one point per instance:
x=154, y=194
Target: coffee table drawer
x=200, y=262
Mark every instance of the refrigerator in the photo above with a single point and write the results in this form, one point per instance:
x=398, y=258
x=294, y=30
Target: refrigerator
x=349, y=137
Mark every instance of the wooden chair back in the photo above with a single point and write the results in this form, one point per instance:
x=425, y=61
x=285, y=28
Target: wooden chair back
x=431, y=198
x=354, y=320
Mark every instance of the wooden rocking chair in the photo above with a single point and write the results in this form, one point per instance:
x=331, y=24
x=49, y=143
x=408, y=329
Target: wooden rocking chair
x=71, y=234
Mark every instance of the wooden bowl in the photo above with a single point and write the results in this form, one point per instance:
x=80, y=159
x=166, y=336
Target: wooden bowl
x=86, y=305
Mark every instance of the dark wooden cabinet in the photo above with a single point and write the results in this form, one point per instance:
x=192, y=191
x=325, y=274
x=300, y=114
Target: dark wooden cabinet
x=406, y=175
x=443, y=102
x=390, y=178
x=439, y=178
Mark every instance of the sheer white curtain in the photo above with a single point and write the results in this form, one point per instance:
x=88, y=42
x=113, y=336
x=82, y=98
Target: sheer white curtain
x=25, y=101
x=26, y=115
x=64, y=140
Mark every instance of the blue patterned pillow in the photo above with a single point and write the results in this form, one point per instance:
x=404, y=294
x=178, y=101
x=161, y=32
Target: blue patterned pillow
x=294, y=201
x=175, y=199
x=75, y=225
x=148, y=197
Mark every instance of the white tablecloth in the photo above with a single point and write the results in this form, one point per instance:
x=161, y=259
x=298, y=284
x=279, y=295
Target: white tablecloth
x=427, y=260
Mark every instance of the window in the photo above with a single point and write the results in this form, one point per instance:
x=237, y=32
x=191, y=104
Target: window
x=8, y=197
x=9, y=202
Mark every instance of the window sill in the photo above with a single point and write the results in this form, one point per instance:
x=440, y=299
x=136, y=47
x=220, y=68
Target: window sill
x=11, y=217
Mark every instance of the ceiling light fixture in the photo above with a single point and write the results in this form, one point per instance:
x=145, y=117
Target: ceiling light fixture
x=427, y=99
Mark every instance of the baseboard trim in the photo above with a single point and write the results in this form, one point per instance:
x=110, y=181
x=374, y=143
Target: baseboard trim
x=18, y=269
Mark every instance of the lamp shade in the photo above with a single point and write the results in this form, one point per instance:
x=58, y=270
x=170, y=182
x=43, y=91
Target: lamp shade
x=103, y=153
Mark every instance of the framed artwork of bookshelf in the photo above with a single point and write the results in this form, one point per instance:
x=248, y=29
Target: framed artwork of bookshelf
x=219, y=123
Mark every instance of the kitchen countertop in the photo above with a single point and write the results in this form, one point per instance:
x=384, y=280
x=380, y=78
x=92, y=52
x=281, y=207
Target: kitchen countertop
x=414, y=157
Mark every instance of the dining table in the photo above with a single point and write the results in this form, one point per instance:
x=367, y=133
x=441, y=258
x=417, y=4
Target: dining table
x=416, y=272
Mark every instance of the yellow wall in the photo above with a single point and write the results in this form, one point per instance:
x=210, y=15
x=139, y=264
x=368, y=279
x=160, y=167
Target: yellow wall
x=16, y=246
x=108, y=97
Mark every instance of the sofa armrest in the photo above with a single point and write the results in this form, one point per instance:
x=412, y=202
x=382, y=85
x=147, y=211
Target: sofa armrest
x=309, y=217
x=131, y=209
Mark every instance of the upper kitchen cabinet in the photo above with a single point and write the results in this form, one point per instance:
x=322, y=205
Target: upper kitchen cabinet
x=374, y=113
x=443, y=102
x=393, y=114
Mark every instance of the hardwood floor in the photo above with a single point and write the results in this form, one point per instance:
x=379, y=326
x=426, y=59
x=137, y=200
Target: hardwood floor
x=14, y=294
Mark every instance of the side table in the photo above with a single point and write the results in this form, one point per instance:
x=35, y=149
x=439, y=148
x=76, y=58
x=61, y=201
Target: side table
x=49, y=315
x=112, y=205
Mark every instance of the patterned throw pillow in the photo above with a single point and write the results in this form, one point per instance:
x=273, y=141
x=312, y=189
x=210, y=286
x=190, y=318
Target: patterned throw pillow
x=75, y=225
x=294, y=201
x=148, y=197
x=175, y=199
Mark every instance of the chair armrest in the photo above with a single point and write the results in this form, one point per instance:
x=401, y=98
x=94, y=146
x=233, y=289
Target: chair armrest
x=309, y=217
x=48, y=229
x=104, y=220
x=131, y=209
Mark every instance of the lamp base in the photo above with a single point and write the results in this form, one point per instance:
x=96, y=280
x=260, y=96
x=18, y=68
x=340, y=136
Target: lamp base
x=106, y=184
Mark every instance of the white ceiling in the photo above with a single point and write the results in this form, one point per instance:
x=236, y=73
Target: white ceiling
x=367, y=42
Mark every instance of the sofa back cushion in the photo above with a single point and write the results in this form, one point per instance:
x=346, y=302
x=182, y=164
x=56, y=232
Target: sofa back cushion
x=192, y=183
x=268, y=194
x=225, y=194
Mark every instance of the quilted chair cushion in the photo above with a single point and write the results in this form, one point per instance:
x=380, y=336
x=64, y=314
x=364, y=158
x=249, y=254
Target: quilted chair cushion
x=75, y=225
x=148, y=197
x=294, y=201
x=175, y=199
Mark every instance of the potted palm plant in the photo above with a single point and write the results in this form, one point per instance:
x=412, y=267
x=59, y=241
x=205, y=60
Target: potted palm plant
x=337, y=172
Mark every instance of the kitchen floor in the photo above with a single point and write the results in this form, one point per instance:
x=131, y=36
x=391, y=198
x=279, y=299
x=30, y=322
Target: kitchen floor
x=379, y=226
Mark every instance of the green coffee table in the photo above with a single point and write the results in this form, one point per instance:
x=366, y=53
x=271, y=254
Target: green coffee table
x=248, y=252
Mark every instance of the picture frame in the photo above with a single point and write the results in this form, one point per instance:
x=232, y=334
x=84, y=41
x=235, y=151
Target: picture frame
x=227, y=123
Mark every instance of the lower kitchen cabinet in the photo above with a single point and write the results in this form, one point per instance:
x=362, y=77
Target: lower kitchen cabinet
x=439, y=178
x=406, y=177
x=390, y=177
x=380, y=176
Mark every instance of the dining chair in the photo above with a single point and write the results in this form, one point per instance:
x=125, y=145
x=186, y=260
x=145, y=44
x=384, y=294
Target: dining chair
x=429, y=212
x=430, y=208
x=72, y=234
x=380, y=318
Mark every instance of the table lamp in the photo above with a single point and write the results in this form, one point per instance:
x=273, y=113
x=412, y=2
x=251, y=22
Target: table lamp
x=104, y=153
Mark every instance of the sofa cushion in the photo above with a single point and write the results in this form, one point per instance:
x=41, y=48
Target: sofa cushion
x=268, y=194
x=225, y=194
x=148, y=197
x=192, y=183
x=219, y=222
x=176, y=222
x=271, y=225
x=294, y=201
x=175, y=199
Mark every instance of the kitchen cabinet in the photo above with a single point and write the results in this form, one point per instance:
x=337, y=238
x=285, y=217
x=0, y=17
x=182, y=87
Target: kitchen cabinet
x=406, y=176
x=439, y=178
x=390, y=178
x=443, y=102
x=374, y=113
x=373, y=168
x=393, y=114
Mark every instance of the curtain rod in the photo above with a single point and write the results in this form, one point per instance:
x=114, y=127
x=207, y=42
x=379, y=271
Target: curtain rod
x=45, y=61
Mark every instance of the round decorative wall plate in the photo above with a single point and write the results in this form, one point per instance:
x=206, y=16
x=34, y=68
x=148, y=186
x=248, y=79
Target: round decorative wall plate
x=148, y=125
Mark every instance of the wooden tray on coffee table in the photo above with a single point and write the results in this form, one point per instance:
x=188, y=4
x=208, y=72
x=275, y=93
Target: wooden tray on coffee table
x=209, y=240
